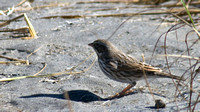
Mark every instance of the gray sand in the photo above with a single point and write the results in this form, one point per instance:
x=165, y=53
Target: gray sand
x=64, y=45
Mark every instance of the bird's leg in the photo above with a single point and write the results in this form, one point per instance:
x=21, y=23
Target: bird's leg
x=124, y=91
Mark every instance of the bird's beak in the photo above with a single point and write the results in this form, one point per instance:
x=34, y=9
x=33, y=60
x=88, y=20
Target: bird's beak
x=90, y=44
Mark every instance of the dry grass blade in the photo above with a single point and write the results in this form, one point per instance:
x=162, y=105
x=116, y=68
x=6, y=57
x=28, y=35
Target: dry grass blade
x=145, y=77
x=8, y=22
x=181, y=56
x=23, y=30
x=108, y=1
x=69, y=105
x=45, y=65
x=189, y=57
x=105, y=1
x=167, y=11
x=14, y=60
x=64, y=17
x=192, y=71
x=32, y=54
x=45, y=6
x=31, y=28
x=68, y=72
x=7, y=11
x=152, y=2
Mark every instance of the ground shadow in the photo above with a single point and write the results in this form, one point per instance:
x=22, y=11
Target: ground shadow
x=58, y=96
x=80, y=96
x=75, y=95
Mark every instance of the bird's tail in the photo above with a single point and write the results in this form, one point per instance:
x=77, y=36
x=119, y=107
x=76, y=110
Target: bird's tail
x=168, y=75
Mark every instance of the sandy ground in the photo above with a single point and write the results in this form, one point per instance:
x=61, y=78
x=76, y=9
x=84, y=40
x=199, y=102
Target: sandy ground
x=63, y=45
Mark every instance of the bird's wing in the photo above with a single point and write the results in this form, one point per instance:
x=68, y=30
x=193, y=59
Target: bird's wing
x=150, y=68
x=132, y=64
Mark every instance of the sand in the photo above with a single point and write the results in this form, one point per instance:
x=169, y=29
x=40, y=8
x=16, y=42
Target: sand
x=63, y=44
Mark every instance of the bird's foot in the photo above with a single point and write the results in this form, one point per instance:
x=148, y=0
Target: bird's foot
x=124, y=93
x=121, y=94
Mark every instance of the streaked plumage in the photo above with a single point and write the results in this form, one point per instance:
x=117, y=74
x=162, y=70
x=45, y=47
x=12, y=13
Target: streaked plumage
x=123, y=68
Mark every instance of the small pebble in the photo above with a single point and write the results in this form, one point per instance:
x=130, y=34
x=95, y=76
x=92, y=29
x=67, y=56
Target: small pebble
x=159, y=104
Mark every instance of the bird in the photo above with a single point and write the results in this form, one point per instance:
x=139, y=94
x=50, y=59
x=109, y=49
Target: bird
x=124, y=68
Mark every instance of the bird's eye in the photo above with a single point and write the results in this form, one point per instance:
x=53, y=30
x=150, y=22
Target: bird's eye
x=100, y=48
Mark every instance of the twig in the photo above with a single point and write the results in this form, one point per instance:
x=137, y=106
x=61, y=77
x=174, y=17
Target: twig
x=15, y=60
x=181, y=56
x=145, y=77
x=8, y=22
x=69, y=72
x=45, y=65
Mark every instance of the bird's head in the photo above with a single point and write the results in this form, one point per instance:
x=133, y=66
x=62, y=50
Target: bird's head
x=102, y=47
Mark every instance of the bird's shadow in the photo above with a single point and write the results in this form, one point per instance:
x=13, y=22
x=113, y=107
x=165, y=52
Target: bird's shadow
x=75, y=95
x=78, y=96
